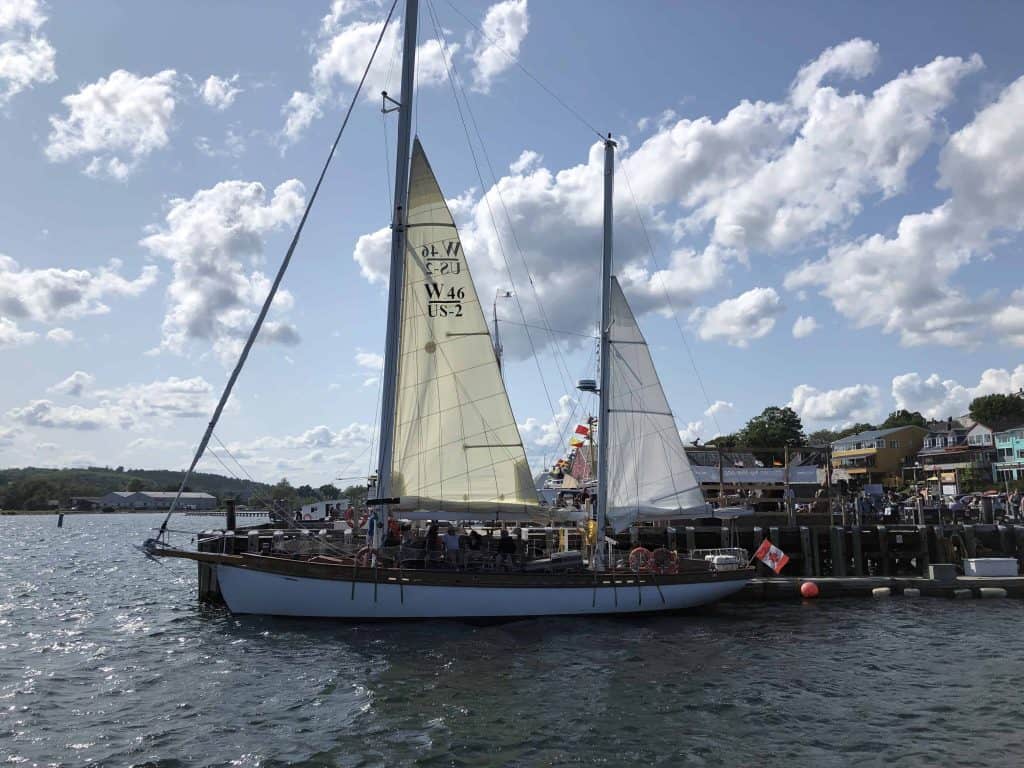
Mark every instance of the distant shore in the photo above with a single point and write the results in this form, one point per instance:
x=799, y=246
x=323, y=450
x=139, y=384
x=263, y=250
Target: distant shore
x=14, y=512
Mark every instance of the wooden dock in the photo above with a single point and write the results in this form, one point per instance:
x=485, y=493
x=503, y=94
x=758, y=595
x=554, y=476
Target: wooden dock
x=783, y=588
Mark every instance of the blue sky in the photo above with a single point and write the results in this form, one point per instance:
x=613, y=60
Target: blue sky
x=856, y=166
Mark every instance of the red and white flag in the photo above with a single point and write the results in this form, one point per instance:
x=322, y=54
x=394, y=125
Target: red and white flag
x=771, y=556
x=582, y=429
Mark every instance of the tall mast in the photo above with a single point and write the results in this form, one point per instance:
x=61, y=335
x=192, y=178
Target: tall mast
x=605, y=391
x=397, y=273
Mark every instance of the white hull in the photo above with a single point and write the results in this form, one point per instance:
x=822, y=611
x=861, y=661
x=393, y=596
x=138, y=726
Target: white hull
x=251, y=591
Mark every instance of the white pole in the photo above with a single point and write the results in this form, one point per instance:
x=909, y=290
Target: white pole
x=605, y=392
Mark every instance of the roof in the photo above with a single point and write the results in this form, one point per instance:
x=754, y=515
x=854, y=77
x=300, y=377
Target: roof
x=1002, y=425
x=874, y=434
x=172, y=494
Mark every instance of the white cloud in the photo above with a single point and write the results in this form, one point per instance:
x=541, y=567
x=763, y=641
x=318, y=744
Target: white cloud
x=75, y=384
x=26, y=58
x=60, y=335
x=233, y=145
x=938, y=398
x=208, y=238
x=546, y=435
x=750, y=315
x=12, y=336
x=504, y=28
x=860, y=402
x=7, y=436
x=300, y=110
x=527, y=160
x=692, y=432
x=44, y=413
x=1009, y=321
x=719, y=407
x=369, y=360
x=115, y=123
x=342, y=51
x=51, y=294
x=164, y=399
x=764, y=177
x=909, y=277
x=804, y=326
x=218, y=92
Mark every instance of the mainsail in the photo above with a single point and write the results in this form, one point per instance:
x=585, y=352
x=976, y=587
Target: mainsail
x=457, y=450
x=649, y=476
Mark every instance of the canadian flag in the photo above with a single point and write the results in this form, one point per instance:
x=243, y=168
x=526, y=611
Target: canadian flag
x=771, y=556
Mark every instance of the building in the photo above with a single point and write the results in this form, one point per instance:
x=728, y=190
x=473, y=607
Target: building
x=156, y=500
x=1009, y=463
x=955, y=452
x=877, y=456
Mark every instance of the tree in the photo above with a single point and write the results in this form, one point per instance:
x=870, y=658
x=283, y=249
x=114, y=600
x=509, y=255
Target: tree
x=774, y=428
x=329, y=491
x=724, y=441
x=998, y=409
x=904, y=418
x=135, y=484
x=822, y=437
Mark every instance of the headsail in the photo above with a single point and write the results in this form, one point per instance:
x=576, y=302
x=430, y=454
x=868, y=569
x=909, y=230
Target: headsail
x=457, y=450
x=649, y=476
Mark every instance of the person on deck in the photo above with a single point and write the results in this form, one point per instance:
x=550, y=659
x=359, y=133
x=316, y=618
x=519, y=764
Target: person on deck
x=433, y=548
x=506, y=550
x=452, y=544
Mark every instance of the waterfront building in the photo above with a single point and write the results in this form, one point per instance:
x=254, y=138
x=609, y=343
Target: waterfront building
x=156, y=500
x=877, y=456
x=1009, y=463
x=954, y=452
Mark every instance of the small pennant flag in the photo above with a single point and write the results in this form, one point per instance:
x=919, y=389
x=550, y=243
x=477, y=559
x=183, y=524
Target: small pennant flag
x=575, y=442
x=583, y=430
x=772, y=556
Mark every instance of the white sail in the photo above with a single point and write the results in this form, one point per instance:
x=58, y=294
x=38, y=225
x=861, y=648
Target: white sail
x=457, y=450
x=649, y=476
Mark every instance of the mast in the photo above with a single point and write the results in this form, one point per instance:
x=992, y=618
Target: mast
x=397, y=273
x=605, y=391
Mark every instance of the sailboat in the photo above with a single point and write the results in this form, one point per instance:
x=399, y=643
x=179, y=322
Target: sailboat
x=450, y=449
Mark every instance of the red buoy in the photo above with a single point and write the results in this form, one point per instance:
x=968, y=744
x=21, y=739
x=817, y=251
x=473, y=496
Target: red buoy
x=809, y=589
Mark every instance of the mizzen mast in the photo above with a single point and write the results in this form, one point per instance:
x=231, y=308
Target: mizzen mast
x=605, y=386
x=392, y=344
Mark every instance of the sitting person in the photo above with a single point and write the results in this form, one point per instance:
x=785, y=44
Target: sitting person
x=452, y=544
x=506, y=550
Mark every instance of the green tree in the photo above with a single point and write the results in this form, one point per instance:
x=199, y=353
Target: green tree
x=135, y=484
x=356, y=495
x=774, y=428
x=998, y=409
x=724, y=441
x=822, y=437
x=904, y=418
x=329, y=491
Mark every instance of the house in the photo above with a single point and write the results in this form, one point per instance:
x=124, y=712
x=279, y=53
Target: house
x=955, y=451
x=156, y=500
x=877, y=456
x=1009, y=463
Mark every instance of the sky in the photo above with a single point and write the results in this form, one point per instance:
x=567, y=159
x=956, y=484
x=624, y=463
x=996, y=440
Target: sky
x=816, y=205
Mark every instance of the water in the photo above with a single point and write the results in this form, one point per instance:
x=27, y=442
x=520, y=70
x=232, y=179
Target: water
x=107, y=659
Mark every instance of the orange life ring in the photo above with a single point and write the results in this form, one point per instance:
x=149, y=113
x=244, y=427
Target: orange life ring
x=664, y=561
x=364, y=557
x=640, y=559
x=362, y=520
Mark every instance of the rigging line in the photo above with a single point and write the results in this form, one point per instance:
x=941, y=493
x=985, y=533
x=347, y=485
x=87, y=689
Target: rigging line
x=279, y=277
x=556, y=353
x=668, y=298
x=552, y=330
x=442, y=41
x=527, y=72
x=211, y=452
x=215, y=437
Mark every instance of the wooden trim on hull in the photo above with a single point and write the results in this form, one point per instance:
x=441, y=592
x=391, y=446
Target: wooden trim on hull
x=698, y=573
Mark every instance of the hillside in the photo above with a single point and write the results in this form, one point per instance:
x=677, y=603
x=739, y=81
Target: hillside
x=32, y=487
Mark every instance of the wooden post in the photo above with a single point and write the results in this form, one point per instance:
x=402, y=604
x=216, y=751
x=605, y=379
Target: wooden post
x=883, y=547
x=721, y=479
x=858, y=552
x=838, y=550
x=229, y=515
x=805, y=550
x=790, y=509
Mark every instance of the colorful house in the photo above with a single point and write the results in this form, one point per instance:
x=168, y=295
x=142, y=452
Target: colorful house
x=876, y=456
x=954, y=451
x=1009, y=463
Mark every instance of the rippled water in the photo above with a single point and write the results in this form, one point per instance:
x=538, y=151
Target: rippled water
x=107, y=659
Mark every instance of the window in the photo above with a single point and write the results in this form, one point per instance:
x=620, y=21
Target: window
x=987, y=437
x=879, y=443
x=894, y=443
